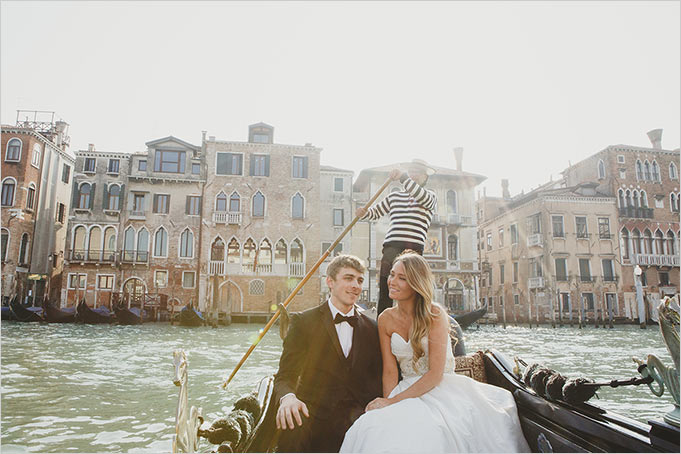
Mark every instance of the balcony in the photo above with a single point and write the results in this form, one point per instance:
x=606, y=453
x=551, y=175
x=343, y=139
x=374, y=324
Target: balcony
x=216, y=267
x=636, y=212
x=134, y=256
x=248, y=268
x=610, y=278
x=296, y=269
x=81, y=255
x=534, y=240
x=452, y=219
x=585, y=278
x=137, y=214
x=535, y=282
x=225, y=217
x=655, y=260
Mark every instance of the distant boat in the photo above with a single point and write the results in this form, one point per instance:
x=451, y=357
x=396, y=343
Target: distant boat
x=25, y=313
x=467, y=319
x=53, y=314
x=125, y=316
x=84, y=314
x=7, y=313
x=189, y=316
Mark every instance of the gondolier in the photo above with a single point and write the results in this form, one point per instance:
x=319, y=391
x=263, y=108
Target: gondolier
x=411, y=212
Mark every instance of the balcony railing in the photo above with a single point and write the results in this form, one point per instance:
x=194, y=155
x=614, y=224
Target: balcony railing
x=561, y=277
x=137, y=214
x=296, y=269
x=93, y=255
x=535, y=282
x=636, y=212
x=225, y=217
x=216, y=267
x=248, y=268
x=610, y=278
x=534, y=240
x=453, y=219
x=655, y=260
x=134, y=256
x=586, y=278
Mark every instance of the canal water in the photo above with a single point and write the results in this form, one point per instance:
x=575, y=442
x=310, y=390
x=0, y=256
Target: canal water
x=93, y=388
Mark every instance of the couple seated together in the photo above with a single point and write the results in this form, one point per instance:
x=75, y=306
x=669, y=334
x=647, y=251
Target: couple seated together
x=339, y=387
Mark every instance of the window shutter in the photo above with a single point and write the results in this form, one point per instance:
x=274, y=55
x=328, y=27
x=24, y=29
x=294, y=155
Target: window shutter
x=92, y=195
x=121, y=197
x=105, y=198
x=305, y=167
x=186, y=205
x=267, y=165
x=252, y=165
x=76, y=195
x=200, y=204
x=154, y=207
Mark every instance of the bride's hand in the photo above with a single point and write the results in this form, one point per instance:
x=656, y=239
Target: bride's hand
x=377, y=403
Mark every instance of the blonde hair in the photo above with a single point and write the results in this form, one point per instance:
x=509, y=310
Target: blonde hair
x=420, y=279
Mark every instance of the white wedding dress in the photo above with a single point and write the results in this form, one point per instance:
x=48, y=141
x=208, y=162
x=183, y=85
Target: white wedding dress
x=458, y=415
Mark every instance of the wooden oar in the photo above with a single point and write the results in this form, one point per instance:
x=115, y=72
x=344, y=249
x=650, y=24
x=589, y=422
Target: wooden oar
x=302, y=283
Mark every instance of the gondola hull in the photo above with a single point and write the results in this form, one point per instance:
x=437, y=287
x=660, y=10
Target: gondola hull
x=125, y=316
x=189, y=316
x=84, y=314
x=467, y=319
x=25, y=314
x=52, y=314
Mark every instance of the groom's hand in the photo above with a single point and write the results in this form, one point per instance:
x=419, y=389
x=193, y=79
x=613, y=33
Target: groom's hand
x=289, y=410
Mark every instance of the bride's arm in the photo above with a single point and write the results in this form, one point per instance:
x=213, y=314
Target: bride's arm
x=390, y=374
x=438, y=342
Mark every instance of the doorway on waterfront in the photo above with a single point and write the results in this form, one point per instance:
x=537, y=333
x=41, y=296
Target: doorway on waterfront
x=611, y=304
x=230, y=298
x=133, y=292
x=453, y=290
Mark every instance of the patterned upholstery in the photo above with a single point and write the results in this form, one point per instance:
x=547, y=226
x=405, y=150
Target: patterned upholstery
x=472, y=365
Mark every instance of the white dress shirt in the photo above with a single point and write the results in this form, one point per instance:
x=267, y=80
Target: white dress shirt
x=343, y=329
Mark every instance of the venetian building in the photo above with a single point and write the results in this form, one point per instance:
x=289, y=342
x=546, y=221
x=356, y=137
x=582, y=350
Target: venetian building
x=37, y=171
x=262, y=225
x=644, y=180
x=550, y=254
x=451, y=240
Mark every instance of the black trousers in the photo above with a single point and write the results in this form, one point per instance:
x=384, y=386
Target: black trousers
x=390, y=252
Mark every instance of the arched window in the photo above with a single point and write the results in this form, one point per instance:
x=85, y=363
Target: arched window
x=297, y=206
x=644, y=199
x=187, y=244
x=453, y=247
x=13, y=152
x=451, y=202
x=265, y=253
x=78, y=251
x=30, y=196
x=8, y=190
x=94, y=242
x=636, y=242
x=249, y=252
x=646, y=170
x=625, y=244
x=601, y=169
x=671, y=243
x=256, y=287
x=217, y=250
x=296, y=251
x=129, y=244
x=234, y=203
x=647, y=242
x=280, y=252
x=143, y=245
x=233, y=251
x=639, y=170
x=114, y=197
x=161, y=243
x=637, y=202
x=37, y=152
x=109, y=244
x=655, y=172
x=84, y=196
x=673, y=171
x=620, y=199
x=258, y=209
x=5, y=244
x=674, y=202
x=221, y=202
x=23, y=250
x=629, y=199
x=659, y=243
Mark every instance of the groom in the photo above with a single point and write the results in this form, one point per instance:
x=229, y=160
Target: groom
x=330, y=368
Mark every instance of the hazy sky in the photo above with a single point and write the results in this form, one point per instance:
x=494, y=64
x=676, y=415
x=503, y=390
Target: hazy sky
x=523, y=87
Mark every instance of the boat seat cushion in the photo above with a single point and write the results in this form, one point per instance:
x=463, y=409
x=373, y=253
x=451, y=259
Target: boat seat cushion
x=472, y=365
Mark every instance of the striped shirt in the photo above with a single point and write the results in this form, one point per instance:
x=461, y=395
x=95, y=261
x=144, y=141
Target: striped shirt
x=411, y=212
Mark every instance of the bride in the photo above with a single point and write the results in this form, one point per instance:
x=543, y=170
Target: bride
x=432, y=409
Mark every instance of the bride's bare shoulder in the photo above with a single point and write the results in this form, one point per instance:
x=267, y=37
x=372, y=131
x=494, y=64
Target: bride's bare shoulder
x=387, y=318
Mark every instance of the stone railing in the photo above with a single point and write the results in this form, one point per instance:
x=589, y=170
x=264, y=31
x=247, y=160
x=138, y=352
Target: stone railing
x=225, y=217
x=655, y=260
x=535, y=282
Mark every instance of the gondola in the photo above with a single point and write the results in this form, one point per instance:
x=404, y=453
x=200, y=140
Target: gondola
x=467, y=319
x=24, y=313
x=7, y=314
x=53, y=314
x=125, y=316
x=189, y=316
x=84, y=314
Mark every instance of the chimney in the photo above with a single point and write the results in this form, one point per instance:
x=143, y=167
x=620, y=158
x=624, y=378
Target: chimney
x=504, y=189
x=458, y=155
x=91, y=147
x=655, y=137
x=203, y=136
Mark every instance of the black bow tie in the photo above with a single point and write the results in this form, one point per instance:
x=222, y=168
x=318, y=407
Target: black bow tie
x=352, y=320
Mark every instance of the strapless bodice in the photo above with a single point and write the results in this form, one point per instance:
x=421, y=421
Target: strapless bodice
x=404, y=353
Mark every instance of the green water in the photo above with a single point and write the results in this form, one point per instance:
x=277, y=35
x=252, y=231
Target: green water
x=89, y=388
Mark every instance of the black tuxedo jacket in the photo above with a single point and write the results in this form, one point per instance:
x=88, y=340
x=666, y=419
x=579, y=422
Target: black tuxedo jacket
x=334, y=388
